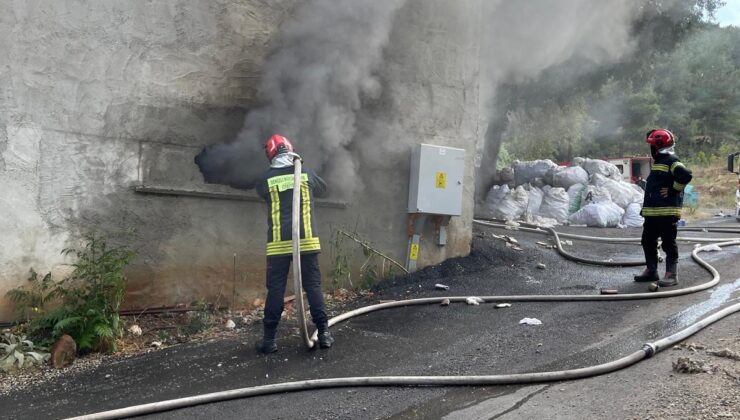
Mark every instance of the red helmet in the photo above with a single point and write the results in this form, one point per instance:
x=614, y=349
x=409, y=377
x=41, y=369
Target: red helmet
x=277, y=145
x=660, y=138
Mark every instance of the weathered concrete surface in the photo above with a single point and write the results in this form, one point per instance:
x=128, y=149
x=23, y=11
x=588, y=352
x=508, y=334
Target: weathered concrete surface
x=96, y=98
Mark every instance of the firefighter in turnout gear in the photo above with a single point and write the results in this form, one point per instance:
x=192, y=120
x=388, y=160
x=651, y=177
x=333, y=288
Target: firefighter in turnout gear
x=662, y=207
x=276, y=188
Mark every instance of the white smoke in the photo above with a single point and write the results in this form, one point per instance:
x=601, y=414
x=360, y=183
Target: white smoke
x=524, y=38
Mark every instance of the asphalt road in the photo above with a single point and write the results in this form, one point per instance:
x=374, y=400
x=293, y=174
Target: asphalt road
x=422, y=340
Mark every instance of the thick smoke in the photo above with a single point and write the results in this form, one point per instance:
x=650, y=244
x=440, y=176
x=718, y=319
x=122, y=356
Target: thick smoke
x=524, y=38
x=312, y=87
x=330, y=52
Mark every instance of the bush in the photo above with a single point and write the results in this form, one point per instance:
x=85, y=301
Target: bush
x=91, y=297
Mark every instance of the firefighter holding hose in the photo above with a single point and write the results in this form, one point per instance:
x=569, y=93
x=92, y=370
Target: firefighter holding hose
x=662, y=207
x=276, y=188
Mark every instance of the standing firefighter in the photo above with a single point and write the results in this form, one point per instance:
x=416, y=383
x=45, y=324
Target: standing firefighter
x=662, y=207
x=276, y=188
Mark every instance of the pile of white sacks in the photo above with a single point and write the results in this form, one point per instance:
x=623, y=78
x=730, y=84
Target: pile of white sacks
x=591, y=193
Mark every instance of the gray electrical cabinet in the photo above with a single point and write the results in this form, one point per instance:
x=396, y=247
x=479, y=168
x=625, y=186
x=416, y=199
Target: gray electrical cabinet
x=436, y=180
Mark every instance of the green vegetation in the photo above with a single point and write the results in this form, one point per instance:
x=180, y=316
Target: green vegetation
x=18, y=352
x=376, y=265
x=89, y=298
x=684, y=75
x=32, y=302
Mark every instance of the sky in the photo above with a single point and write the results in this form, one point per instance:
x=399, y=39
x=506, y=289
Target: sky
x=729, y=14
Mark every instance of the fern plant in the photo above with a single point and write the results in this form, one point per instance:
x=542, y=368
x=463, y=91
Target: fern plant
x=18, y=352
x=32, y=302
x=91, y=297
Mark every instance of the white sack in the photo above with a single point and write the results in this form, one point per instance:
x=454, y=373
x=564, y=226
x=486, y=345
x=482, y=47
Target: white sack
x=526, y=172
x=574, y=197
x=600, y=167
x=555, y=205
x=621, y=192
x=535, y=200
x=592, y=194
x=638, y=194
x=567, y=177
x=506, y=204
x=632, y=216
x=604, y=214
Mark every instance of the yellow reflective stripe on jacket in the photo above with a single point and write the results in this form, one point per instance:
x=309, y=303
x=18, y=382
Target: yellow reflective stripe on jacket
x=661, y=211
x=678, y=186
x=676, y=164
x=284, y=182
x=660, y=167
x=306, y=197
x=275, y=213
x=286, y=247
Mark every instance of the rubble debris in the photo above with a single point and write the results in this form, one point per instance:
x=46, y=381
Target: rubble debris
x=135, y=330
x=474, y=300
x=726, y=353
x=530, y=321
x=690, y=347
x=541, y=266
x=712, y=248
x=545, y=244
x=503, y=305
x=511, y=240
x=441, y=286
x=688, y=365
x=609, y=291
x=445, y=302
x=230, y=325
x=156, y=344
x=512, y=225
x=514, y=247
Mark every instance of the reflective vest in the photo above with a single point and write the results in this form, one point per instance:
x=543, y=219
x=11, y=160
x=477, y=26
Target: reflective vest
x=276, y=188
x=667, y=172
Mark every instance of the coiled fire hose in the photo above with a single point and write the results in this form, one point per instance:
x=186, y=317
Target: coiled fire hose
x=647, y=350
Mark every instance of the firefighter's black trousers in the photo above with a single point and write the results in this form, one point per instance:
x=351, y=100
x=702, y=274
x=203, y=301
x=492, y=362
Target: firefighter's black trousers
x=665, y=228
x=277, y=277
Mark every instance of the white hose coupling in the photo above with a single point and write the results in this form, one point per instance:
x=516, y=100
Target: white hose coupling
x=649, y=350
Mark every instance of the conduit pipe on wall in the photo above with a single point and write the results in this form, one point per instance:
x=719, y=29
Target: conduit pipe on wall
x=648, y=350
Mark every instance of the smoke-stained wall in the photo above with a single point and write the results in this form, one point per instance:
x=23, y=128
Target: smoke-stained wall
x=100, y=98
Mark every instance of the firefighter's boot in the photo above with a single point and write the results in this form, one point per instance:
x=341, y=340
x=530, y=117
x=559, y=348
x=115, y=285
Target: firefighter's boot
x=670, y=279
x=268, y=344
x=325, y=338
x=647, y=276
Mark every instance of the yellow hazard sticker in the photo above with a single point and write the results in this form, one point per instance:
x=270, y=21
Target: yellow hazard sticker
x=414, y=254
x=441, y=180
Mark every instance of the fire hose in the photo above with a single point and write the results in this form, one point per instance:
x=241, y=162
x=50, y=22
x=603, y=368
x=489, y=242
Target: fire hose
x=647, y=350
x=296, y=226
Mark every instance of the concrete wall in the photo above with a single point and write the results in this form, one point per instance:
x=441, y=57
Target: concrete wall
x=100, y=98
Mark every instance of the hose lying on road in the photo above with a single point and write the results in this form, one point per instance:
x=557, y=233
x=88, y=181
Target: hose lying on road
x=648, y=350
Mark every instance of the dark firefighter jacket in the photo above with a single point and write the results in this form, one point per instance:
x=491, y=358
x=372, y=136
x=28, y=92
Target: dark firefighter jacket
x=667, y=172
x=276, y=188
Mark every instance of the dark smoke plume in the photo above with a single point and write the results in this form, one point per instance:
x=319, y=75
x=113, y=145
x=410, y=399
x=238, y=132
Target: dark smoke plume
x=312, y=87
